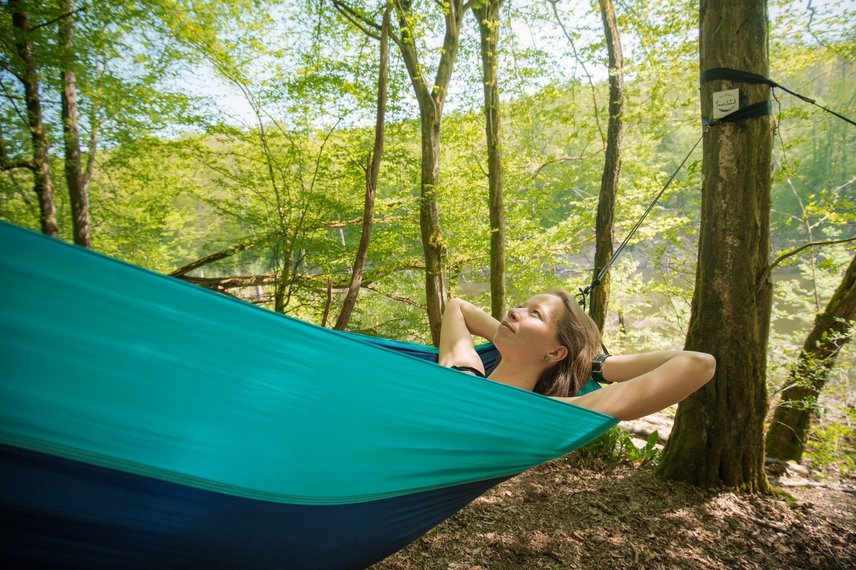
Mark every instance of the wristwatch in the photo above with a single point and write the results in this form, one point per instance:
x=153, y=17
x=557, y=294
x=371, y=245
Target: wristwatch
x=597, y=368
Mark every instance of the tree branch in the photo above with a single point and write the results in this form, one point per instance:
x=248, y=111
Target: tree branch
x=360, y=21
x=11, y=100
x=14, y=164
x=423, y=92
x=237, y=281
x=544, y=165
x=766, y=274
x=585, y=70
x=182, y=271
x=7, y=163
x=223, y=283
x=400, y=299
x=5, y=64
x=807, y=245
x=357, y=20
x=58, y=18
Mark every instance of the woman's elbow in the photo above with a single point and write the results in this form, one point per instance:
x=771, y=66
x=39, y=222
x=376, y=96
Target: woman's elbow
x=704, y=366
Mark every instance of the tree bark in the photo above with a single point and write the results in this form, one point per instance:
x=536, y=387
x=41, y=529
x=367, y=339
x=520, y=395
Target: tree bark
x=832, y=329
x=372, y=173
x=42, y=185
x=718, y=432
x=604, y=228
x=77, y=191
x=487, y=13
x=283, y=281
x=431, y=99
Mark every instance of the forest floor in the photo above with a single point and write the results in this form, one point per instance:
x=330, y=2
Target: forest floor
x=575, y=513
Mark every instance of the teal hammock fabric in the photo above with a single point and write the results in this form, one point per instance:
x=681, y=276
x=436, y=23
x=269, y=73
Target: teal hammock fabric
x=146, y=422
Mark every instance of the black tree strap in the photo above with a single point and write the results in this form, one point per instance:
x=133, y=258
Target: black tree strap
x=748, y=112
x=725, y=73
x=719, y=73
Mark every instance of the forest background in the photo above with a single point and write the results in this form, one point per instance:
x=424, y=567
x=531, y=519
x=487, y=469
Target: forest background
x=236, y=135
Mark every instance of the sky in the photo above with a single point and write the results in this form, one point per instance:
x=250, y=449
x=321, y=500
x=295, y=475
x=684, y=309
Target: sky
x=544, y=35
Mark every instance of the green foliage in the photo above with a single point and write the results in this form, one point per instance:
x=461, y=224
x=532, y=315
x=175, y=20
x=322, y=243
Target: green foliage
x=616, y=445
x=181, y=173
x=800, y=292
x=832, y=446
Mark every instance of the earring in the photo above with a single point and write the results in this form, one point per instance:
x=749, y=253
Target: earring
x=546, y=358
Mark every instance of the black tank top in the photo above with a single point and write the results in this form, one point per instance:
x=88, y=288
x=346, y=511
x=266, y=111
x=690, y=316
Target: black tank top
x=470, y=369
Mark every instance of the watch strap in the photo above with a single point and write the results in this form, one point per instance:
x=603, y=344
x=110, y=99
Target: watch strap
x=597, y=367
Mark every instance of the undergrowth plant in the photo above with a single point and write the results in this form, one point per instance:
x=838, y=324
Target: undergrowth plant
x=832, y=447
x=616, y=445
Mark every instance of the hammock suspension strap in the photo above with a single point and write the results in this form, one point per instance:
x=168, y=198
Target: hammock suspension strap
x=758, y=109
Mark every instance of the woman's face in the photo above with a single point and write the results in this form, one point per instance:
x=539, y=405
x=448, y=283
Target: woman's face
x=530, y=331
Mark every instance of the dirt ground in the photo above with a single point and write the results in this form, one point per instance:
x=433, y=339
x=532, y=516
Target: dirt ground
x=571, y=514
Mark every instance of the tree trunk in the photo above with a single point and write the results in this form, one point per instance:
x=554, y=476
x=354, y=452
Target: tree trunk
x=73, y=169
x=372, y=173
x=433, y=245
x=42, y=184
x=612, y=164
x=718, y=434
x=487, y=13
x=285, y=259
x=431, y=99
x=832, y=329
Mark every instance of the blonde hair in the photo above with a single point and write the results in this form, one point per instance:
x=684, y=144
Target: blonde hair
x=578, y=333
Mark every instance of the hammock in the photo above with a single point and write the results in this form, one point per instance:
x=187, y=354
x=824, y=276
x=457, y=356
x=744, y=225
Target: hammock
x=146, y=422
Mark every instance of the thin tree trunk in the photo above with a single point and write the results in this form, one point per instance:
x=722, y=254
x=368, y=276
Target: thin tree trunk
x=42, y=184
x=372, y=173
x=433, y=244
x=604, y=228
x=487, y=14
x=718, y=435
x=431, y=99
x=283, y=280
x=832, y=329
x=73, y=169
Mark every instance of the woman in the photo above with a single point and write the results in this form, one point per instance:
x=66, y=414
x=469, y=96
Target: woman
x=549, y=345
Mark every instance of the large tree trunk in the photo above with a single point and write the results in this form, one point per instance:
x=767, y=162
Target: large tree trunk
x=372, y=173
x=832, y=329
x=42, y=184
x=431, y=98
x=718, y=436
x=612, y=165
x=487, y=13
x=73, y=169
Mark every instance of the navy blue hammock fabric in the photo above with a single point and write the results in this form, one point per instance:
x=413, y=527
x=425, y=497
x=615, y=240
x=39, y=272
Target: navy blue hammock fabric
x=149, y=423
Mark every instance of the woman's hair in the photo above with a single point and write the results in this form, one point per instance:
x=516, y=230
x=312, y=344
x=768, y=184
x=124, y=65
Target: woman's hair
x=579, y=334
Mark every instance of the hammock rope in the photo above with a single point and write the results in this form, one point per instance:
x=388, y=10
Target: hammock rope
x=755, y=110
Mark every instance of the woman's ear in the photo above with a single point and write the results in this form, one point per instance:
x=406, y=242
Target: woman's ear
x=559, y=354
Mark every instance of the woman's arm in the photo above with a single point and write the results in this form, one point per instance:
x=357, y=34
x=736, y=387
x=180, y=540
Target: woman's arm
x=647, y=383
x=462, y=320
x=621, y=367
